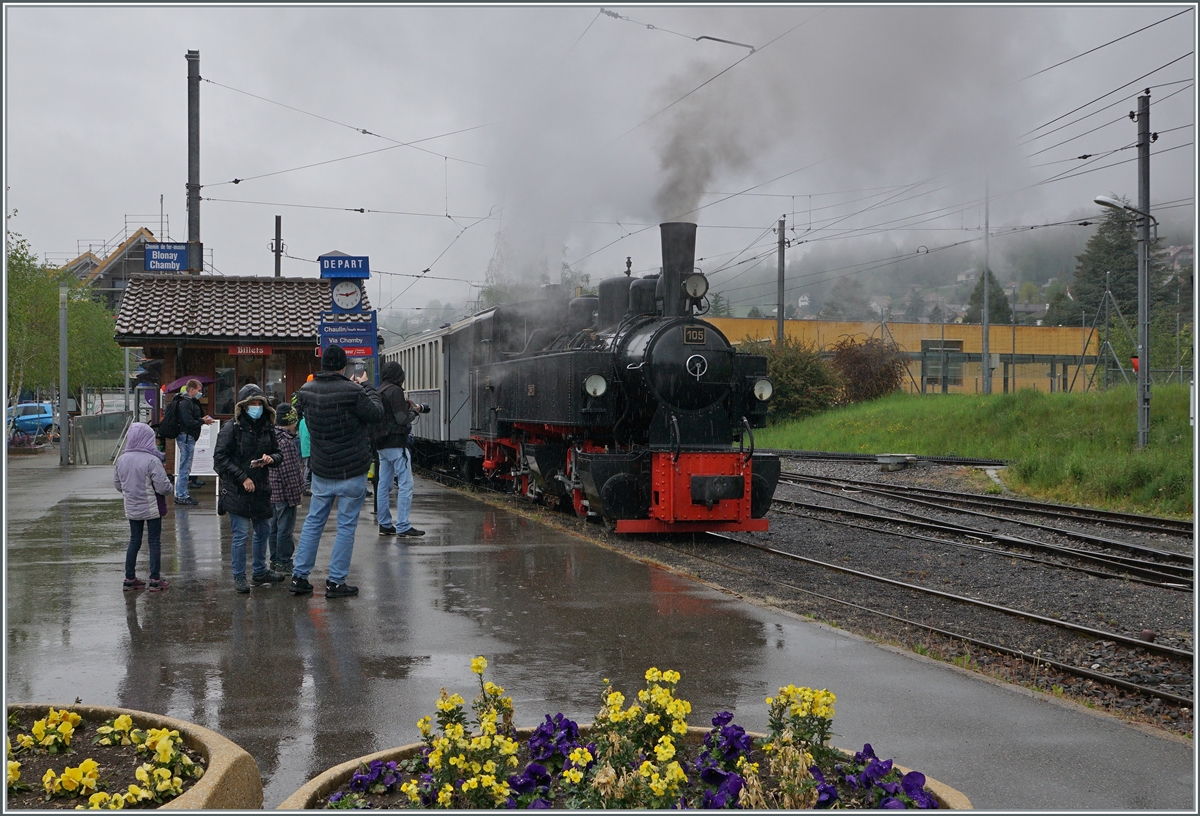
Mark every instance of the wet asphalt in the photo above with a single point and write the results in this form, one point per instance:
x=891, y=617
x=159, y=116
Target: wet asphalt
x=305, y=683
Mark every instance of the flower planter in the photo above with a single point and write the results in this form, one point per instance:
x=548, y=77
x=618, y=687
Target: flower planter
x=231, y=777
x=326, y=783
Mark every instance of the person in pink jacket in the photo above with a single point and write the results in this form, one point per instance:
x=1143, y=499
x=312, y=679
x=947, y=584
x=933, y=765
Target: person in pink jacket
x=140, y=477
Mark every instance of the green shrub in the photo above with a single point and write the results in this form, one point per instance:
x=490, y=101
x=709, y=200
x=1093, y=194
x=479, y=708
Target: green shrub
x=804, y=383
x=869, y=370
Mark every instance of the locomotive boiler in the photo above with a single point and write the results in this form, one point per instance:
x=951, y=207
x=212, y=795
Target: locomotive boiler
x=624, y=405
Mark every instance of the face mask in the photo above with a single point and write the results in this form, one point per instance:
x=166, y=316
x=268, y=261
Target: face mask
x=255, y=411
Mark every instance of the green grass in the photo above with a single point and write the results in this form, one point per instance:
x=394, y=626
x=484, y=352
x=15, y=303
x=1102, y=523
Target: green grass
x=1075, y=448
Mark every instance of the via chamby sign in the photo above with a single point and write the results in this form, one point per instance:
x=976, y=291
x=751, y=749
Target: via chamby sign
x=166, y=257
x=357, y=339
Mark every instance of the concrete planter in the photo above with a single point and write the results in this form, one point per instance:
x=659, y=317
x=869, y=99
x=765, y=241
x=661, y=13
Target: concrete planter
x=326, y=783
x=231, y=778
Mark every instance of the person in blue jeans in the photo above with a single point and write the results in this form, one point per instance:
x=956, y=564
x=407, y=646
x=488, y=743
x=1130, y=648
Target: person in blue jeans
x=395, y=456
x=339, y=414
x=142, y=481
x=245, y=448
x=191, y=420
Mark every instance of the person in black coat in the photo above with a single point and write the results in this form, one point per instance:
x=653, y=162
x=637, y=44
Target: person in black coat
x=339, y=414
x=246, y=447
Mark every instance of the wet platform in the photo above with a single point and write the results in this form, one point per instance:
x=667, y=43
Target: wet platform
x=304, y=683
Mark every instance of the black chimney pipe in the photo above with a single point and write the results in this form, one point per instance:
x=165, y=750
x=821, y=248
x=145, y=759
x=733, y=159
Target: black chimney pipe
x=678, y=261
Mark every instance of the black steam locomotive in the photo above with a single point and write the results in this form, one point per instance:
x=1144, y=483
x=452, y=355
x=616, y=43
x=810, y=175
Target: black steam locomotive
x=625, y=405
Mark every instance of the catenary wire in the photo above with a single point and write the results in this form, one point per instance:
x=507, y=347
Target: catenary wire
x=1105, y=45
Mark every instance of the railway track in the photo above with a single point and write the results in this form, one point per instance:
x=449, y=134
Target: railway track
x=1030, y=617
x=1099, y=554
x=1058, y=637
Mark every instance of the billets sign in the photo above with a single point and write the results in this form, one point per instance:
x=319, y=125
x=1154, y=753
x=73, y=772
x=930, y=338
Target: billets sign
x=166, y=257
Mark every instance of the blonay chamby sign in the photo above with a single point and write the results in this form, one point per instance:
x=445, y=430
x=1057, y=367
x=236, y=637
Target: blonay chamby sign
x=166, y=257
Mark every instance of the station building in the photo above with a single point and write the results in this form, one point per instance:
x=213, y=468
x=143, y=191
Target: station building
x=227, y=331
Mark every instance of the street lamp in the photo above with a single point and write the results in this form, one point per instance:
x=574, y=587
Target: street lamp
x=1143, y=288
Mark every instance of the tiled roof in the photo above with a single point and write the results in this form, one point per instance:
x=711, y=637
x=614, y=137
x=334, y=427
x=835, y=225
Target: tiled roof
x=208, y=307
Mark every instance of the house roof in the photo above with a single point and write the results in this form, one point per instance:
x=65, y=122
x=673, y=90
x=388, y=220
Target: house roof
x=209, y=308
x=88, y=266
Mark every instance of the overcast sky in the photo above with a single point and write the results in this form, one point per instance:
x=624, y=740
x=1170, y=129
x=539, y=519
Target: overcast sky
x=570, y=132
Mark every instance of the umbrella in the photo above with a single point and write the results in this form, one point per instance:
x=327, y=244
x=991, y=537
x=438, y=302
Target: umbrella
x=175, y=386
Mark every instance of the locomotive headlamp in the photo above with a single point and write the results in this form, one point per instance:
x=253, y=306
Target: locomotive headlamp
x=695, y=285
x=763, y=390
x=595, y=385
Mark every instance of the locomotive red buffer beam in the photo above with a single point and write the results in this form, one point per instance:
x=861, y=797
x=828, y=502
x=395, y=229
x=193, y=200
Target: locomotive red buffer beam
x=661, y=492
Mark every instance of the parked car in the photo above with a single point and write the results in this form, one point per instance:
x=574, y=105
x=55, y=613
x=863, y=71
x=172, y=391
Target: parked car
x=32, y=416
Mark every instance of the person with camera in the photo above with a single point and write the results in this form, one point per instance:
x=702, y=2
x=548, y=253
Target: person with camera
x=339, y=412
x=395, y=457
x=246, y=447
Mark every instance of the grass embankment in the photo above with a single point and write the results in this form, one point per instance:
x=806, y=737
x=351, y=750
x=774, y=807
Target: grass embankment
x=1074, y=448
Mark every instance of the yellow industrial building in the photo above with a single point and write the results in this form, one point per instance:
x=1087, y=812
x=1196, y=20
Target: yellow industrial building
x=1047, y=358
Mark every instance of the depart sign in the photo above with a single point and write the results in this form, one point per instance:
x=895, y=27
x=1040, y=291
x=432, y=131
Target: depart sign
x=345, y=266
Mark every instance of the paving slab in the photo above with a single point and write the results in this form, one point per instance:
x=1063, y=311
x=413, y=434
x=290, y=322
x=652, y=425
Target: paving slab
x=305, y=683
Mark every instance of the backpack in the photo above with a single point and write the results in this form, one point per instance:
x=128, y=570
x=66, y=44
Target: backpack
x=170, y=426
x=400, y=421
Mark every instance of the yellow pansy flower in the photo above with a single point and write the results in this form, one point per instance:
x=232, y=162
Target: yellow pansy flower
x=653, y=675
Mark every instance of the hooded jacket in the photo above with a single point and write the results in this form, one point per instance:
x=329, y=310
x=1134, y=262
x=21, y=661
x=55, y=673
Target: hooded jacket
x=339, y=415
x=391, y=391
x=241, y=441
x=139, y=473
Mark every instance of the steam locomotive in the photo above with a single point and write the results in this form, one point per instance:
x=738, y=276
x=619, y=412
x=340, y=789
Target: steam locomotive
x=625, y=406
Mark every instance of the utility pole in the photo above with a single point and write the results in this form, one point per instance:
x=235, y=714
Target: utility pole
x=942, y=366
x=987, y=358
x=195, y=247
x=779, y=299
x=1143, y=141
x=64, y=420
x=277, y=247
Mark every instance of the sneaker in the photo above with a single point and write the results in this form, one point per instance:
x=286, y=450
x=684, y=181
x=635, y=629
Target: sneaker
x=241, y=584
x=411, y=532
x=195, y=483
x=300, y=586
x=387, y=531
x=133, y=583
x=158, y=584
x=189, y=500
x=268, y=577
x=333, y=590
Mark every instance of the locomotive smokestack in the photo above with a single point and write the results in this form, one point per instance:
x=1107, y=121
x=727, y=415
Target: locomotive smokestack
x=678, y=261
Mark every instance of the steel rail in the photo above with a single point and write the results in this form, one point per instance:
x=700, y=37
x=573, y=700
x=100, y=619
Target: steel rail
x=1022, y=655
x=1098, y=634
x=1114, y=518
x=1033, y=559
x=1154, y=576
x=902, y=495
x=872, y=458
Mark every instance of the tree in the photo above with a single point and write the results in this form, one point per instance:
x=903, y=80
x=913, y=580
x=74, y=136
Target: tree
x=914, y=306
x=848, y=301
x=718, y=306
x=1112, y=253
x=1028, y=293
x=998, y=309
x=32, y=310
x=804, y=383
x=93, y=356
x=755, y=313
x=1062, y=311
x=935, y=313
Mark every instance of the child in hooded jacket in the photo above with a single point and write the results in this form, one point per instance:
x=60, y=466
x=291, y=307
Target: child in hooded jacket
x=141, y=479
x=287, y=491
